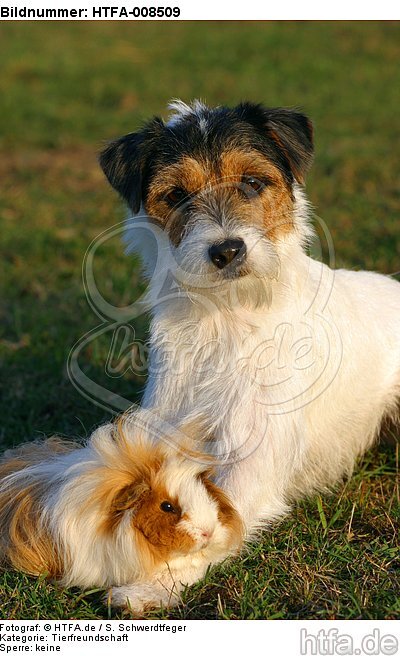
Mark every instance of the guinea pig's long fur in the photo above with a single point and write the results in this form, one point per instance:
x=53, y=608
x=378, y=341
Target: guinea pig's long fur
x=125, y=508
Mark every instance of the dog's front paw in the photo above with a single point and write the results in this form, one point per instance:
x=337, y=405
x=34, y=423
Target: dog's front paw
x=141, y=597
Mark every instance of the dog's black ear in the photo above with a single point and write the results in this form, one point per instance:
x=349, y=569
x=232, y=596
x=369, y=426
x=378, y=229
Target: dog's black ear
x=124, y=162
x=293, y=134
x=289, y=130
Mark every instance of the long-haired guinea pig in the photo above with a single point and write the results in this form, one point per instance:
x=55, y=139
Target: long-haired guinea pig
x=124, y=510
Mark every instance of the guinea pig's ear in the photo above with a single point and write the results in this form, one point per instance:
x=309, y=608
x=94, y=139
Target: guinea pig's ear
x=129, y=496
x=124, y=162
x=291, y=132
x=208, y=472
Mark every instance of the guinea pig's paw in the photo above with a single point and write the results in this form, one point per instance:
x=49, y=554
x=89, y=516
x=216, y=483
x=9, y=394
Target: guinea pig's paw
x=141, y=597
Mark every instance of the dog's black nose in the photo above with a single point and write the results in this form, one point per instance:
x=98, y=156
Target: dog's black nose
x=226, y=251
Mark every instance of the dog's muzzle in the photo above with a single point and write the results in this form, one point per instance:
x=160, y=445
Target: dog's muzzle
x=230, y=251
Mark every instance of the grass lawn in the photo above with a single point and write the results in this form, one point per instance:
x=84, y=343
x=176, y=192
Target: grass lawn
x=68, y=86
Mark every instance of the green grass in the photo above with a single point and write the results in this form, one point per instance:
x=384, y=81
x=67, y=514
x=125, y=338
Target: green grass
x=67, y=87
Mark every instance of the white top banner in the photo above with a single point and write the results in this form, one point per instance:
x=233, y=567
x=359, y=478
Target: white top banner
x=171, y=10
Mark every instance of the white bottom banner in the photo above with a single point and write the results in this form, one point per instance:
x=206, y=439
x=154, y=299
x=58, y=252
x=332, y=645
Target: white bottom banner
x=275, y=637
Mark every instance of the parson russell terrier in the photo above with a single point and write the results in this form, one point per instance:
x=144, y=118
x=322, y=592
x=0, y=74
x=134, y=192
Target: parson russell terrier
x=291, y=366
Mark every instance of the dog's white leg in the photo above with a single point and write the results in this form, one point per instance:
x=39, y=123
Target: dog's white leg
x=166, y=589
x=140, y=597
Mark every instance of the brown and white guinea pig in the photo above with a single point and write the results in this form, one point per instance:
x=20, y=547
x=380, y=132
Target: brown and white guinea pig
x=122, y=510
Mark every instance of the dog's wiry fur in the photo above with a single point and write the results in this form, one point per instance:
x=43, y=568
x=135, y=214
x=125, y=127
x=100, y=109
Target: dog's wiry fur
x=95, y=515
x=294, y=365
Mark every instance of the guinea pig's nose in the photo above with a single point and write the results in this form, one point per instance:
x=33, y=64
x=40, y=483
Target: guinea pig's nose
x=225, y=252
x=206, y=534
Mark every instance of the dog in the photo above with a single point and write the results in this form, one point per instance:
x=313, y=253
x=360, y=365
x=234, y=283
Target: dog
x=293, y=365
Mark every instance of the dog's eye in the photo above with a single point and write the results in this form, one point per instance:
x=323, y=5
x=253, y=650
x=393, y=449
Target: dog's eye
x=176, y=196
x=252, y=185
x=167, y=507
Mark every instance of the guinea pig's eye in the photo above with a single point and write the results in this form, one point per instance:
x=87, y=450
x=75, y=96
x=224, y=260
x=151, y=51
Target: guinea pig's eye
x=176, y=196
x=167, y=507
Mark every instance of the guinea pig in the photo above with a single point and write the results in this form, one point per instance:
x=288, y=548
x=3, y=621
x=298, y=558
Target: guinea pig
x=126, y=510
